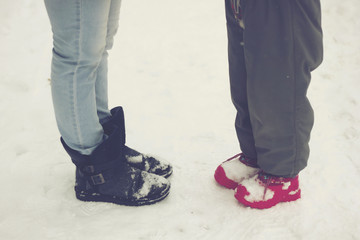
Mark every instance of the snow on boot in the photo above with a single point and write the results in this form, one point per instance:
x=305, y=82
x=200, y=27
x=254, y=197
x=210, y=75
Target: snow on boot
x=105, y=176
x=134, y=158
x=265, y=191
x=234, y=170
x=147, y=163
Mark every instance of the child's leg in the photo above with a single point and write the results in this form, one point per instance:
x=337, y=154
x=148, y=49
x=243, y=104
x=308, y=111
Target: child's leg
x=238, y=78
x=283, y=44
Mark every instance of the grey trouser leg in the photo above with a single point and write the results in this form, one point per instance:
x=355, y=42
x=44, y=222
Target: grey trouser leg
x=270, y=61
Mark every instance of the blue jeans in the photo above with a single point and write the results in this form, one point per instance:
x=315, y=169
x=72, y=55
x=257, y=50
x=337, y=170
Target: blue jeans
x=83, y=32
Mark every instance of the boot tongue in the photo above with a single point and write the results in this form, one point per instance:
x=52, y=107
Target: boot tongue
x=272, y=179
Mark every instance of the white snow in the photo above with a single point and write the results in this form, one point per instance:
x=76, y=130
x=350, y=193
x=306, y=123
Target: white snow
x=134, y=159
x=286, y=185
x=150, y=180
x=237, y=171
x=294, y=192
x=173, y=55
x=257, y=191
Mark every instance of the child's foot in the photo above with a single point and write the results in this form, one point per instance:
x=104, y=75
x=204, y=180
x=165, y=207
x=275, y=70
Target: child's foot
x=265, y=191
x=234, y=170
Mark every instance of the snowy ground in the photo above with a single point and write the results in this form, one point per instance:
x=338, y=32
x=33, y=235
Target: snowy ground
x=169, y=70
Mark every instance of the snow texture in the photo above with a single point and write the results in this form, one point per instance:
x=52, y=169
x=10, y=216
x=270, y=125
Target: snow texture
x=134, y=159
x=173, y=55
x=237, y=171
x=286, y=185
x=257, y=191
x=150, y=181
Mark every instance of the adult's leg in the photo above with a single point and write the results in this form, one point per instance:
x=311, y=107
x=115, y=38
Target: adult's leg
x=283, y=44
x=101, y=85
x=79, y=32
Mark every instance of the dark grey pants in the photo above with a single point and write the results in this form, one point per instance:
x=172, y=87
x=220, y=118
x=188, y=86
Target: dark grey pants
x=270, y=61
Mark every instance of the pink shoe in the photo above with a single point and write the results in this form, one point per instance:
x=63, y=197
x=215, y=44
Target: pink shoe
x=234, y=170
x=265, y=191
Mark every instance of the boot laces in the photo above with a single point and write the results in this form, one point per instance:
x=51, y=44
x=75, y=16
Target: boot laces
x=268, y=180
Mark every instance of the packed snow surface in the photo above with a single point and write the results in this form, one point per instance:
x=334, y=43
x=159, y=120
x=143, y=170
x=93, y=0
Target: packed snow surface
x=168, y=69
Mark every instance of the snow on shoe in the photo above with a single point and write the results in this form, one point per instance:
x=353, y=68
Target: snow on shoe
x=234, y=170
x=265, y=191
x=134, y=158
x=147, y=163
x=105, y=176
x=131, y=187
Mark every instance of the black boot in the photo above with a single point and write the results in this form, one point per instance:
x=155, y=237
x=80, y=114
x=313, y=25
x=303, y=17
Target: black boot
x=105, y=176
x=134, y=158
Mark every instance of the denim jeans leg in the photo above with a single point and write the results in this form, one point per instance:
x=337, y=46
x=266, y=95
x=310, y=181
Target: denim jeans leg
x=79, y=34
x=101, y=85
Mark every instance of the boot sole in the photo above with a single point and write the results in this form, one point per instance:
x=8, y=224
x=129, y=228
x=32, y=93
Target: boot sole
x=268, y=204
x=167, y=174
x=97, y=197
